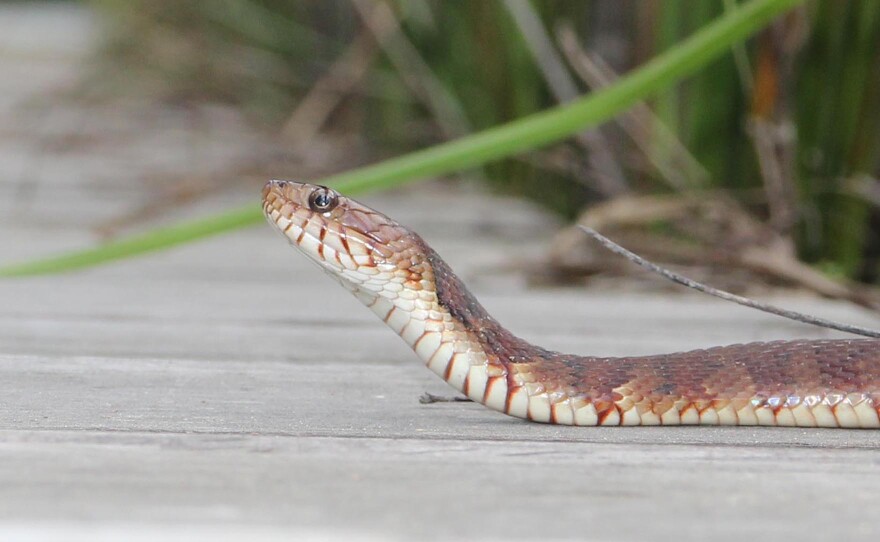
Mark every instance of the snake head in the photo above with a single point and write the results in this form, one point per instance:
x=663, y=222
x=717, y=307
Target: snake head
x=362, y=248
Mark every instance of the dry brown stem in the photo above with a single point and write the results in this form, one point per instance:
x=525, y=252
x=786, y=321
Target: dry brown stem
x=608, y=177
x=710, y=230
x=675, y=165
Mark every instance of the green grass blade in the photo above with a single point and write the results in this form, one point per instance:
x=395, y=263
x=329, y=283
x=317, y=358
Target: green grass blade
x=527, y=133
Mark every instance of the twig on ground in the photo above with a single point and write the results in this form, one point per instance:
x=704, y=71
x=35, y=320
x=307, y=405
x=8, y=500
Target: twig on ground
x=430, y=398
x=727, y=296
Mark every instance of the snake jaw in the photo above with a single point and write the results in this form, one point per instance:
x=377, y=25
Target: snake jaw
x=362, y=249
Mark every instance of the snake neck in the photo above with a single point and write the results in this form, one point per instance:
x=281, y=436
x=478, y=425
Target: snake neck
x=505, y=348
x=456, y=337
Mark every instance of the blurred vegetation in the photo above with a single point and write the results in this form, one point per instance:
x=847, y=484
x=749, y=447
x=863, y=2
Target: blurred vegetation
x=789, y=123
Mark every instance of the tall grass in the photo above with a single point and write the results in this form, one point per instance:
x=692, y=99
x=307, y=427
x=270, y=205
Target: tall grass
x=838, y=119
x=263, y=55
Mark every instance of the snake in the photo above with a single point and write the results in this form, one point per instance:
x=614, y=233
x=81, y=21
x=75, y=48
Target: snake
x=400, y=278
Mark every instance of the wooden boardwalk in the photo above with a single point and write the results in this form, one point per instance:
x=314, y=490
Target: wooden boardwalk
x=228, y=390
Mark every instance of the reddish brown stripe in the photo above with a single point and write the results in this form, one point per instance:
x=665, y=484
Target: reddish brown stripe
x=343, y=236
x=489, y=383
x=449, y=365
x=321, y=235
x=511, y=390
x=607, y=410
x=387, y=316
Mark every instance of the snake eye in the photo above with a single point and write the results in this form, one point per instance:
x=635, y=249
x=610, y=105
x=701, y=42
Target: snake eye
x=323, y=200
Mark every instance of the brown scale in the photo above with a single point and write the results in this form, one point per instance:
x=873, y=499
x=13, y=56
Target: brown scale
x=780, y=369
x=763, y=373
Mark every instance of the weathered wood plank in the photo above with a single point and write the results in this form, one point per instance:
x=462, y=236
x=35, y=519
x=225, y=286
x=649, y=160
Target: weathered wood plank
x=372, y=398
x=439, y=489
x=227, y=390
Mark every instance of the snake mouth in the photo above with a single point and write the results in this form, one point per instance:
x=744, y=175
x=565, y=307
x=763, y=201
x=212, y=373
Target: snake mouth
x=315, y=235
x=282, y=211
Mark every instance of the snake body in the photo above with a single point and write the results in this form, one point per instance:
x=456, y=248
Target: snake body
x=807, y=383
